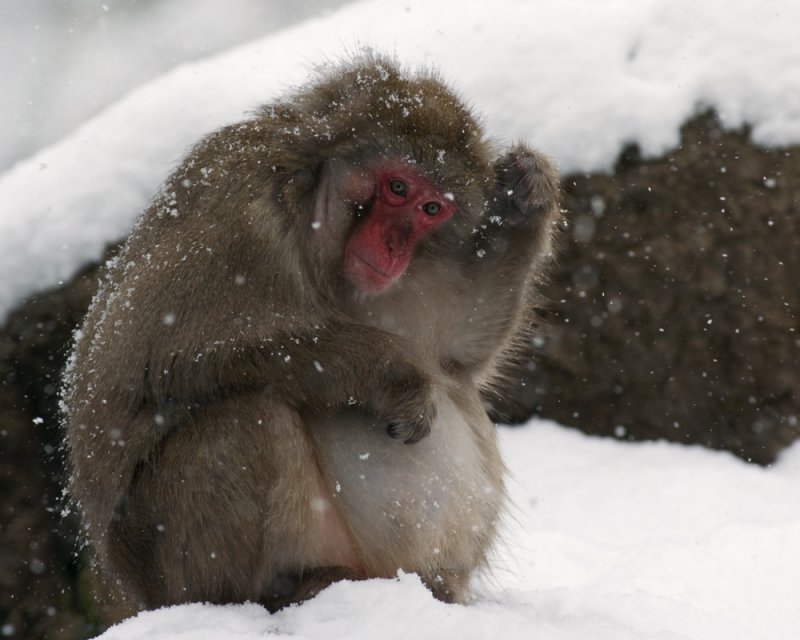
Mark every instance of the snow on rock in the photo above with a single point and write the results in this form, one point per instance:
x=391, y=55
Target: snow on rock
x=577, y=79
x=606, y=540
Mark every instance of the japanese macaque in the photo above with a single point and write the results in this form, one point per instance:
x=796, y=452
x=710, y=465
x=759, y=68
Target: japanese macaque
x=278, y=384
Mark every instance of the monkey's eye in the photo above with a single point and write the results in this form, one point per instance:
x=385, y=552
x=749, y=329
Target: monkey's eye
x=398, y=187
x=431, y=208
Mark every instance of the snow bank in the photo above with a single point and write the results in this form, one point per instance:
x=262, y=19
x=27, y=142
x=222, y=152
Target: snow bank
x=62, y=63
x=606, y=541
x=576, y=78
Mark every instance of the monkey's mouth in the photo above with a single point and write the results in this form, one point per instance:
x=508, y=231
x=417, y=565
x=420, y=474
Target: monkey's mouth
x=365, y=275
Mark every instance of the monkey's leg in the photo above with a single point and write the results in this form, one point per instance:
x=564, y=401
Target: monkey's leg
x=230, y=500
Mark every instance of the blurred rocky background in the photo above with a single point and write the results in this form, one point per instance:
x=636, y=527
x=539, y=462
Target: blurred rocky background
x=674, y=308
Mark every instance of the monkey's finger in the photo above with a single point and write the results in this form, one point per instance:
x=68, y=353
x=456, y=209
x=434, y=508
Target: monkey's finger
x=409, y=432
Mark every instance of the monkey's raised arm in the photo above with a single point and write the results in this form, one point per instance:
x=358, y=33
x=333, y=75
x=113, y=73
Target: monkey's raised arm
x=510, y=245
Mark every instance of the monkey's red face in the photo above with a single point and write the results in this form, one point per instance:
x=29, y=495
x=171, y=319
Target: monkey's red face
x=405, y=207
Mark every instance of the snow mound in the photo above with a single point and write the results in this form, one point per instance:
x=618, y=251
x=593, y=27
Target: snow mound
x=606, y=540
x=576, y=79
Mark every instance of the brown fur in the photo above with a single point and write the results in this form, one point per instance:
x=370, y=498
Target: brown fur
x=229, y=394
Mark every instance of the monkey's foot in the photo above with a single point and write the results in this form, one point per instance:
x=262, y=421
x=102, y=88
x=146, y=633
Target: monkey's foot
x=294, y=588
x=449, y=586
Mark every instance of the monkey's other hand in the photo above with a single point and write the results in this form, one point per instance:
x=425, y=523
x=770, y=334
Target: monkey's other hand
x=526, y=184
x=407, y=405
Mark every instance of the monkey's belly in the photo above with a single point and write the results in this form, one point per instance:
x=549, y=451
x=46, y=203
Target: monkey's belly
x=417, y=507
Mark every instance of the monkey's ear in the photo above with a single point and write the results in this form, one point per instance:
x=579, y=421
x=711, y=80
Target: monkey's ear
x=306, y=179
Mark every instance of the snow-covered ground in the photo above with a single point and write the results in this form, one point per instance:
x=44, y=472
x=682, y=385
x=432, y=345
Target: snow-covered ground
x=606, y=540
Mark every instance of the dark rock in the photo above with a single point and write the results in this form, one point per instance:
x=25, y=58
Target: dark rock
x=43, y=584
x=675, y=304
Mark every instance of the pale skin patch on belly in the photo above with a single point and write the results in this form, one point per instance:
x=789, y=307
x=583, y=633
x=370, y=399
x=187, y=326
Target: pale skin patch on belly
x=338, y=547
x=410, y=507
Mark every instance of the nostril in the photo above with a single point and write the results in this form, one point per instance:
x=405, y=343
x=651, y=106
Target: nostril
x=397, y=238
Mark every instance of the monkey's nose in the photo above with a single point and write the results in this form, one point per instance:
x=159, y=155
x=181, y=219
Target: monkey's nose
x=397, y=238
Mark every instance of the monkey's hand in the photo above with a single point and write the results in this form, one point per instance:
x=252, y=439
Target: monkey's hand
x=526, y=188
x=404, y=398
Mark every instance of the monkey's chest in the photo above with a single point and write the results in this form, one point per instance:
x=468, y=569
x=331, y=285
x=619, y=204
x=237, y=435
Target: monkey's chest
x=406, y=504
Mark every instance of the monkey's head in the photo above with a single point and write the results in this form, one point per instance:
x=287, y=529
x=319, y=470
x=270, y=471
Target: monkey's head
x=388, y=165
x=402, y=208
